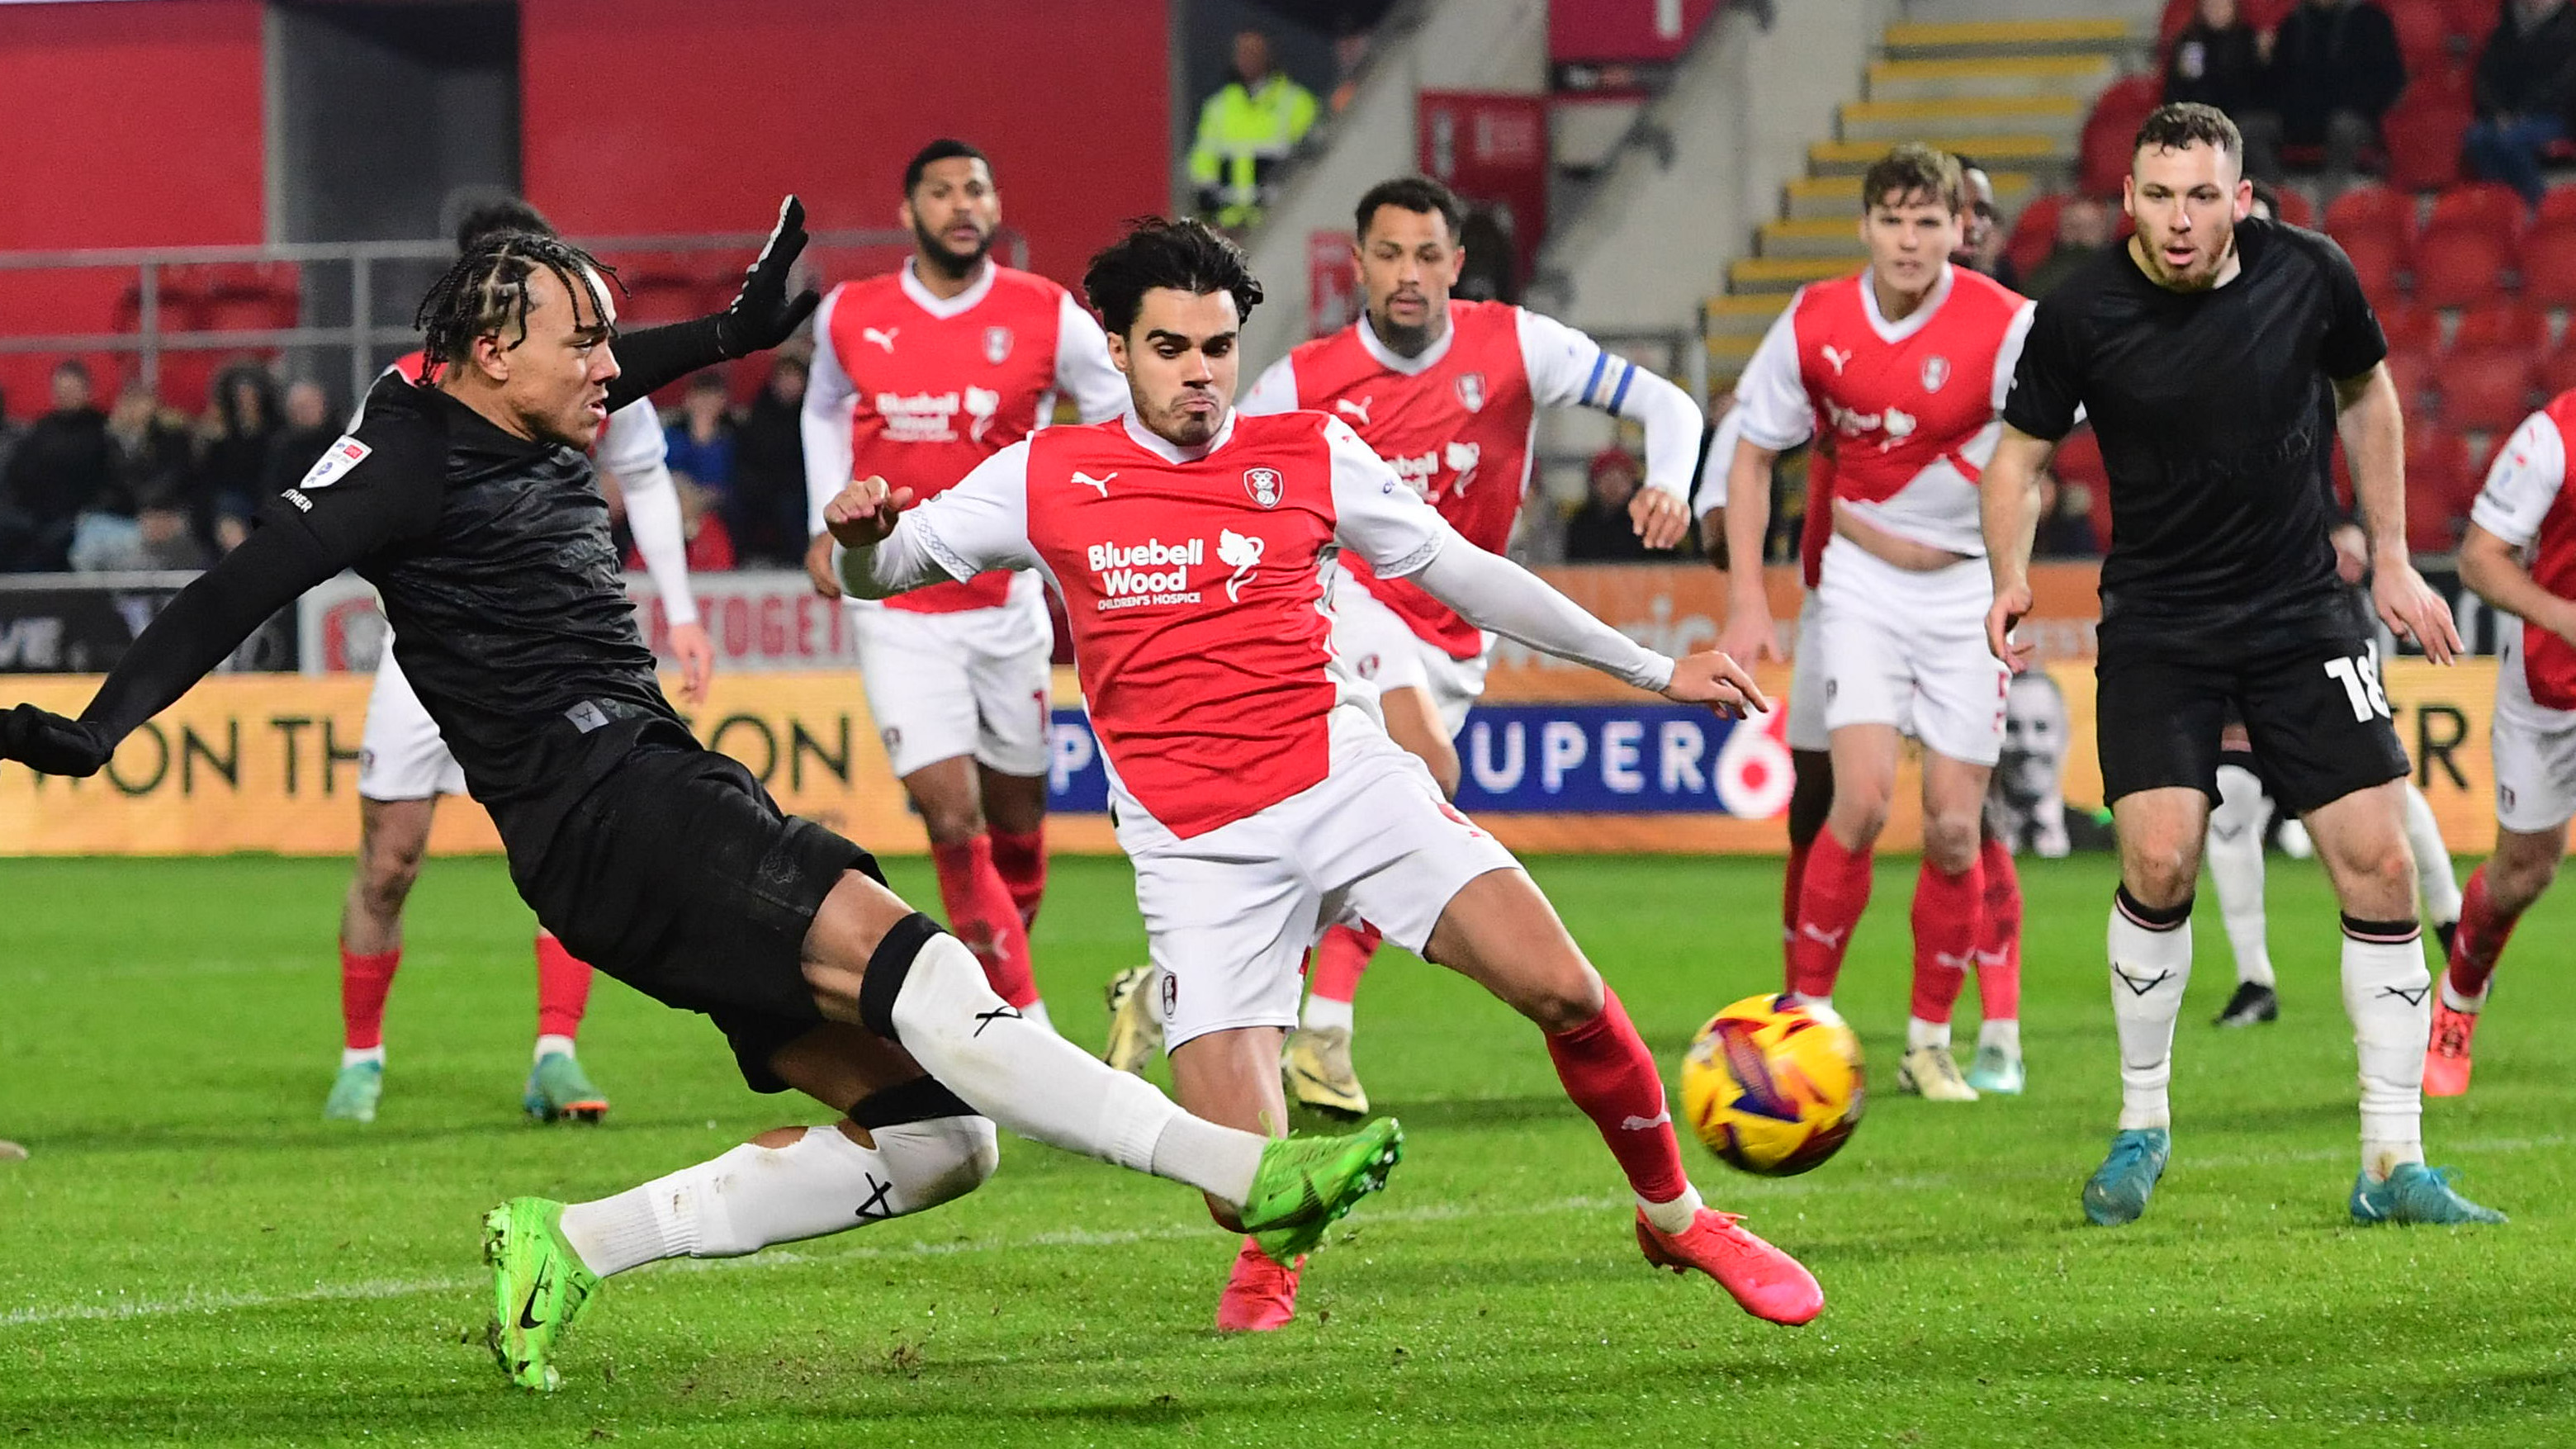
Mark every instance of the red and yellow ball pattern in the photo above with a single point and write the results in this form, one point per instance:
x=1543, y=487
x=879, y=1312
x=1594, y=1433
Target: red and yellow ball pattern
x=1773, y=1088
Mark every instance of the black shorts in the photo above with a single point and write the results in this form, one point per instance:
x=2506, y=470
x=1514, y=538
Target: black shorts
x=678, y=875
x=2309, y=697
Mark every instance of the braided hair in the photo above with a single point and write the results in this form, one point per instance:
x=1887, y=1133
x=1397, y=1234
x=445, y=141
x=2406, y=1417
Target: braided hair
x=487, y=291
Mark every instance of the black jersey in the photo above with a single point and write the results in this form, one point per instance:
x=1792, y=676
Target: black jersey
x=2215, y=413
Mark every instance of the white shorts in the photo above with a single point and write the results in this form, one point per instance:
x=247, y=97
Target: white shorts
x=401, y=755
x=1909, y=649
x=969, y=683
x=1806, y=725
x=2535, y=754
x=1379, y=647
x=1230, y=915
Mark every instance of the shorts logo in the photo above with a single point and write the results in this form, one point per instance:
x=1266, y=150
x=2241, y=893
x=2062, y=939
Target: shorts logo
x=1368, y=666
x=1471, y=391
x=1936, y=371
x=893, y=738
x=586, y=716
x=1263, y=485
x=1171, y=995
x=997, y=344
x=2504, y=795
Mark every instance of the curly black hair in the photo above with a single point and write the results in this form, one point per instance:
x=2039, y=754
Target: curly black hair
x=487, y=291
x=1155, y=252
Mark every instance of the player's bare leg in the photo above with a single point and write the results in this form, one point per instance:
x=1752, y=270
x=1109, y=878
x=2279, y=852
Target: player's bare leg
x=2161, y=832
x=2388, y=994
x=393, y=836
x=950, y=798
x=2513, y=878
x=1949, y=900
x=1232, y=1078
x=1501, y=933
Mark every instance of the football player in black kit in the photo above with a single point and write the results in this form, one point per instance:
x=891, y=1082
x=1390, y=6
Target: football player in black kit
x=2206, y=349
x=469, y=503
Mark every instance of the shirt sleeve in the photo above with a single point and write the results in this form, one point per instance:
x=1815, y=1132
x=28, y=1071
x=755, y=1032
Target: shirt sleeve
x=1716, y=463
x=1772, y=409
x=979, y=525
x=2008, y=355
x=636, y=453
x=1083, y=370
x=2353, y=343
x=1568, y=368
x=1275, y=391
x=1374, y=515
x=2523, y=482
x=365, y=493
x=825, y=421
x=2047, y=385
x=1494, y=593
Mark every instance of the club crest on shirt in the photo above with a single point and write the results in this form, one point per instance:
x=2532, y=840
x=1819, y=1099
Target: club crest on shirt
x=1471, y=391
x=1263, y=485
x=1936, y=371
x=335, y=463
x=997, y=344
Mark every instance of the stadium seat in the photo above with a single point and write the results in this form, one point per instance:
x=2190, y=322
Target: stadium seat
x=2177, y=18
x=2372, y=210
x=2556, y=372
x=2111, y=132
x=2470, y=20
x=2423, y=138
x=2034, y=232
x=2266, y=14
x=2423, y=34
x=656, y=297
x=2549, y=262
x=2502, y=324
x=2409, y=326
x=2296, y=208
x=2378, y=259
x=2459, y=268
x=2478, y=206
x=2485, y=388
x=2557, y=203
x=2416, y=371
x=2434, y=468
x=2078, y=462
x=250, y=296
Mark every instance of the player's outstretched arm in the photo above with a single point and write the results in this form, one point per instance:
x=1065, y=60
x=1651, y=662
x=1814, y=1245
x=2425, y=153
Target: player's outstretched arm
x=2372, y=423
x=888, y=547
x=761, y=316
x=2008, y=500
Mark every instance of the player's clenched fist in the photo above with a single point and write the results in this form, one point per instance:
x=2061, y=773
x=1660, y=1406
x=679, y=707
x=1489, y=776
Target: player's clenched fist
x=50, y=744
x=1715, y=680
x=865, y=512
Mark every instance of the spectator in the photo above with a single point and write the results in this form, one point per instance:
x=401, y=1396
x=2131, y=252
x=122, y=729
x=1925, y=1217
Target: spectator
x=10, y=433
x=1981, y=241
x=2083, y=230
x=767, y=515
x=153, y=450
x=2065, y=521
x=293, y=448
x=710, y=546
x=2332, y=71
x=2217, y=60
x=64, y=467
x=2526, y=92
x=1600, y=531
x=1245, y=131
x=701, y=441
x=232, y=453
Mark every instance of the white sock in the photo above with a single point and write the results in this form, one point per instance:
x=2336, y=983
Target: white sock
x=1036, y=1011
x=2002, y=1034
x=1322, y=1013
x=1045, y=1088
x=2433, y=878
x=2388, y=994
x=754, y=1196
x=2149, y=969
x=1675, y=1216
x=351, y=1056
x=1800, y=998
x=1921, y=1033
x=553, y=1046
x=2471, y=1005
x=2235, y=856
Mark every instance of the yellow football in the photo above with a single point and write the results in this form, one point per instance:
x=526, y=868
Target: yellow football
x=1772, y=1087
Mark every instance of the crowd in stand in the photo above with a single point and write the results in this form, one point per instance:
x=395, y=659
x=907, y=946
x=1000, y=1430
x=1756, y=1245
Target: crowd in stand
x=139, y=484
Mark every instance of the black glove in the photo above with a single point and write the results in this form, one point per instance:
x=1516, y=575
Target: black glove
x=51, y=744
x=763, y=315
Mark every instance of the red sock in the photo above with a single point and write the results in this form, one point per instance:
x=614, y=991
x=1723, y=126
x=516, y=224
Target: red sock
x=1339, y=962
x=2480, y=939
x=1946, y=912
x=364, y=980
x=563, y=988
x=1609, y=1073
x=1791, y=881
x=1832, y=892
x=1021, y=859
x=981, y=913
x=1999, y=936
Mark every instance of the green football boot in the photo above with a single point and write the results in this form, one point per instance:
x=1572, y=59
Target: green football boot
x=539, y=1287
x=2414, y=1193
x=354, y=1093
x=557, y=1090
x=1305, y=1183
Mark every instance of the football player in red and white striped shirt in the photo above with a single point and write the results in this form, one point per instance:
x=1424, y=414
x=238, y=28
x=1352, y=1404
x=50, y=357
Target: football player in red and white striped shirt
x=1253, y=788
x=1898, y=370
x=1447, y=391
x=919, y=375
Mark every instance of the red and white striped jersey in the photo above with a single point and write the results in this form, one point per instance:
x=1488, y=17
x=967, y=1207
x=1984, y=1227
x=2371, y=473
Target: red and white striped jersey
x=1909, y=409
x=918, y=389
x=1457, y=421
x=1193, y=579
x=2526, y=503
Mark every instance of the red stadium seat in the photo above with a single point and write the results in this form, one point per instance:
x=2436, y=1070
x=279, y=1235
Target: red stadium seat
x=2461, y=268
x=656, y=297
x=2556, y=372
x=2409, y=326
x=2434, y=469
x=2470, y=20
x=2503, y=324
x=2423, y=34
x=2423, y=139
x=2372, y=210
x=2034, y=232
x=2549, y=263
x=2265, y=14
x=2177, y=18
x=2485, y=389
x=2478, y=206
x=2296, y=209
x=2111, y=132
x=2558, y=203
x=2078, y=463
x=2379, y=260
x=2416, y=371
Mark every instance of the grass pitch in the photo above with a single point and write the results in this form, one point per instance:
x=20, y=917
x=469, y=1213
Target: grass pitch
x=192, y=1255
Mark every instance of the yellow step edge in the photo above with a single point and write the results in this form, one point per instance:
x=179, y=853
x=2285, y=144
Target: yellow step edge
x=1828, y=188
x=1912, y=34
x=1978, y=67
x=1788, y=269
x=1814, y=228
x=1731, y=305
x=1984, y=148
x=2038, y=107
